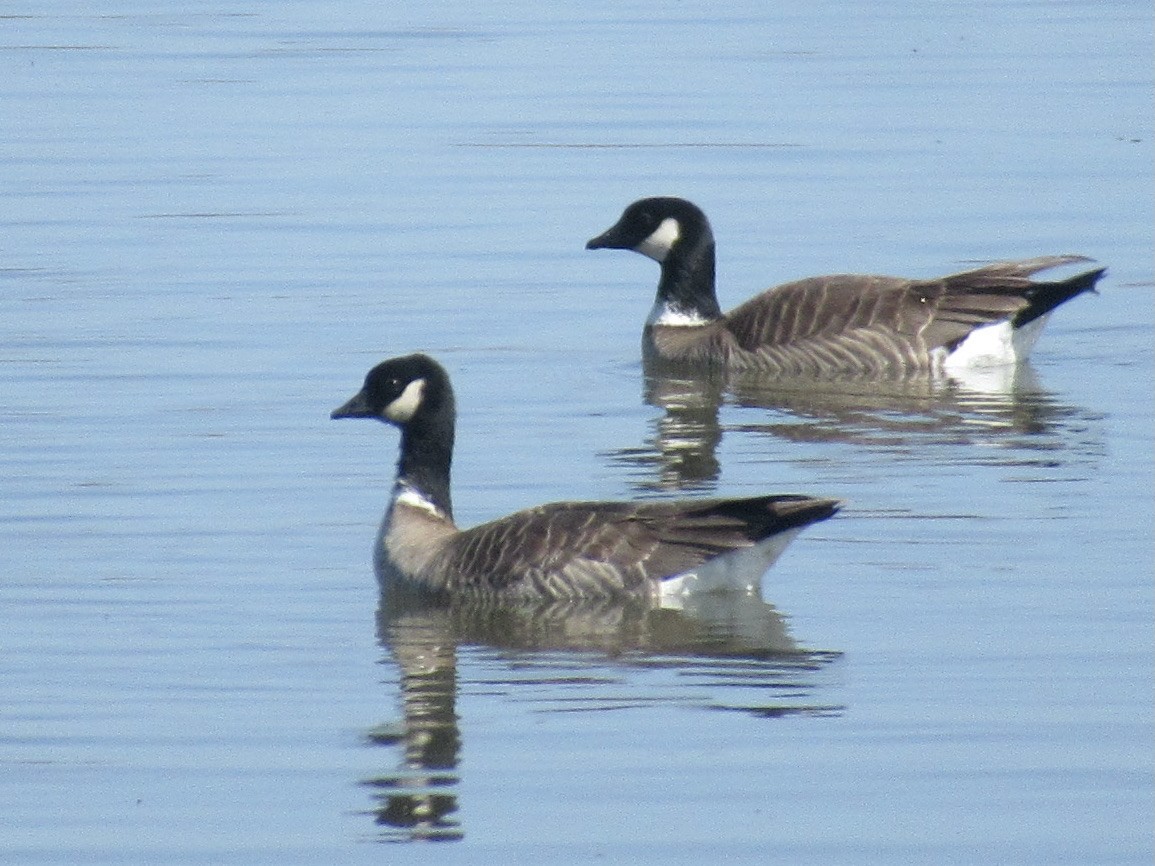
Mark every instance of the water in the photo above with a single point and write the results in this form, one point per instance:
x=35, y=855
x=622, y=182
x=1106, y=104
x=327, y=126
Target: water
x=216, y=218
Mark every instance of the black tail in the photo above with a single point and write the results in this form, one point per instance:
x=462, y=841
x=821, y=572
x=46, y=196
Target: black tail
x=1044, y=297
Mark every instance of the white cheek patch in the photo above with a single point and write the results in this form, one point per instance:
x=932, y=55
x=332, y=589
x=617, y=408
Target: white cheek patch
x=658, y=245
x=403, y=407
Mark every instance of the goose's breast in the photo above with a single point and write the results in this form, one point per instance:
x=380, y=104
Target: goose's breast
x=411, y=539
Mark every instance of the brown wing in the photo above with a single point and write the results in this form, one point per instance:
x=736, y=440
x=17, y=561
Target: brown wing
x=1001, y=291
x=586, y=549
x=867, y=323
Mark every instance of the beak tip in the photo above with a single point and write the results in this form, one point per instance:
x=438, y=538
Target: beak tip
x=354, y=408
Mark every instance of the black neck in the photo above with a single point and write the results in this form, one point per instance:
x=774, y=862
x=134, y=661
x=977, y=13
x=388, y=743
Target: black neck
x=426, y=458
x=687, y=282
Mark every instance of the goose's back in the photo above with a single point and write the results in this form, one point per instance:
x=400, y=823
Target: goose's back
x=857, y=323
x=594, y=549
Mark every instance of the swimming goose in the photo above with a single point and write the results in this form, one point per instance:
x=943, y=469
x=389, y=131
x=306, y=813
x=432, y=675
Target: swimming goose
x=836, y=324
x=565, y=550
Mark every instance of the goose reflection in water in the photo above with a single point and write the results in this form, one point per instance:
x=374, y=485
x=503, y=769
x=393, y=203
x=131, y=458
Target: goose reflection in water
x=730, y=652
x=1002, y=406
x=418, y=800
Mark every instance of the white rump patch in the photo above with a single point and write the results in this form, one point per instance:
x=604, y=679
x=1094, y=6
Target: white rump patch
x=663, y=314
x=996, y=344
x=403, y=407
x=737, y=571
x=996, y=380
x=658, y=245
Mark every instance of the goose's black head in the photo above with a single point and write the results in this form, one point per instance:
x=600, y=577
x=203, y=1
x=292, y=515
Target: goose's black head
x=403, y=391
x=655, y=227
x=676, y=234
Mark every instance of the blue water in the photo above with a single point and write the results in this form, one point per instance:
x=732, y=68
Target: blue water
x=217, y=218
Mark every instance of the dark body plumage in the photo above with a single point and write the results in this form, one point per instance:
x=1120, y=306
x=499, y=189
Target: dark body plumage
x=561, y=550
x=844, y=323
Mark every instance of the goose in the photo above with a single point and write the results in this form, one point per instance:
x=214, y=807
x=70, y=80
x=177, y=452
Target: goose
x=845, y=323
x=658, y=551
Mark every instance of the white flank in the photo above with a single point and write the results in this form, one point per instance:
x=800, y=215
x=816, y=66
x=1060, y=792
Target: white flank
x=658, y=245
x=995, y=344
x=403, y=407
x=996, y=380
x=663, y=314
x=737, y=571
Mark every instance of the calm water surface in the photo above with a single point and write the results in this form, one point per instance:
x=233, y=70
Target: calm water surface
x=217, y=217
